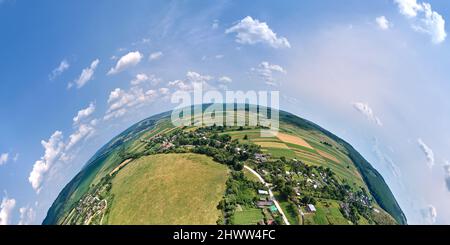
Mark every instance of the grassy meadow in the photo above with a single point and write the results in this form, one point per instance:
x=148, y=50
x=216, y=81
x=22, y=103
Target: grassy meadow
x=168, y=189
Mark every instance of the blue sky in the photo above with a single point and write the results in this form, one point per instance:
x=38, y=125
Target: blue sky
x=373, y=73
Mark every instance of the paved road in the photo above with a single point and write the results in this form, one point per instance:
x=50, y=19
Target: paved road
x=270, y=194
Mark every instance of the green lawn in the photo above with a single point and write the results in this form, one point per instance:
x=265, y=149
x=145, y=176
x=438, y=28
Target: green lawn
x=278, y=152
x=327, y=213
x=290, y=212
x=248, y=216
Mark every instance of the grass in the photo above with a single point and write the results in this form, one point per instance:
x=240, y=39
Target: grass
x=249, y=175
x=278, y=152
x=168, y=189
x=327, y=214
x=272, y=145
x=248, y=216
x=290, y=212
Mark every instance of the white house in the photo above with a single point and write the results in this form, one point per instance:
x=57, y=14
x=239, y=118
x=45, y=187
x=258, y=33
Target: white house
x=263, y=192
x=311, y=208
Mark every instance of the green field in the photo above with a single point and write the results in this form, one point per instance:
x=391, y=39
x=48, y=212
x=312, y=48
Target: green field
x=168, y=189
x=248, y=216
x=327, y=214
x=291, y=212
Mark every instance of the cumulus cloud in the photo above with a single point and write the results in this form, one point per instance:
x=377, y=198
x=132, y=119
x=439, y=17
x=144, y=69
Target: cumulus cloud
x=266, y=71
x=180, y=85
x=409, y=8
x=432, y=24
x=429, y=154
x=197, y=78
x=126, y=61
x=56, y=150
x=83, y=131
x=6, y=208
x=53, y=152
x=429, y=214
x=383, y=23
x=4, y=158
x=63, y=66
x=27, y=216
x=365, y=109
x=424, y=19
x=192, y=78
x=142, y=77
x=164, y=91
x=84, y=113
x=86, y=75
x=252, y=31
x=121, y=101
x=155, y=55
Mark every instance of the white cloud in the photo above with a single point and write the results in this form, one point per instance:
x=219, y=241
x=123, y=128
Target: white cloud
x=187, y=85
x=429, y=154
x=365, y=109
x=429, y=214
x=84, y=113
x=424, y=19
x=164, y=91
x=86, y=75
x=63, y=66
x=141, y=77
x=155, y=55
x=409, y=8
x=432, y=24
x=225, y=79
x=251, y=31
x=83, y=131
x=6, y=208
x=53, y=151
x=121, y=101
x=58, y=151
x=126, y=61
x=4, y=158
x=195, y=77
x=383, y=23
x=180, y=85
x=27, y=216
x=266, y=71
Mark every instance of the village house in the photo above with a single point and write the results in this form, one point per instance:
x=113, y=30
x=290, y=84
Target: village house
x=263, y=204
x=260, y=157
x=310, y=208
x=263, y=192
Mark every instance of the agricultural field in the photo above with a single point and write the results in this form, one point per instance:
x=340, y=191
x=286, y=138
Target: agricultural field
x=327, y=214
x=168, y=189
